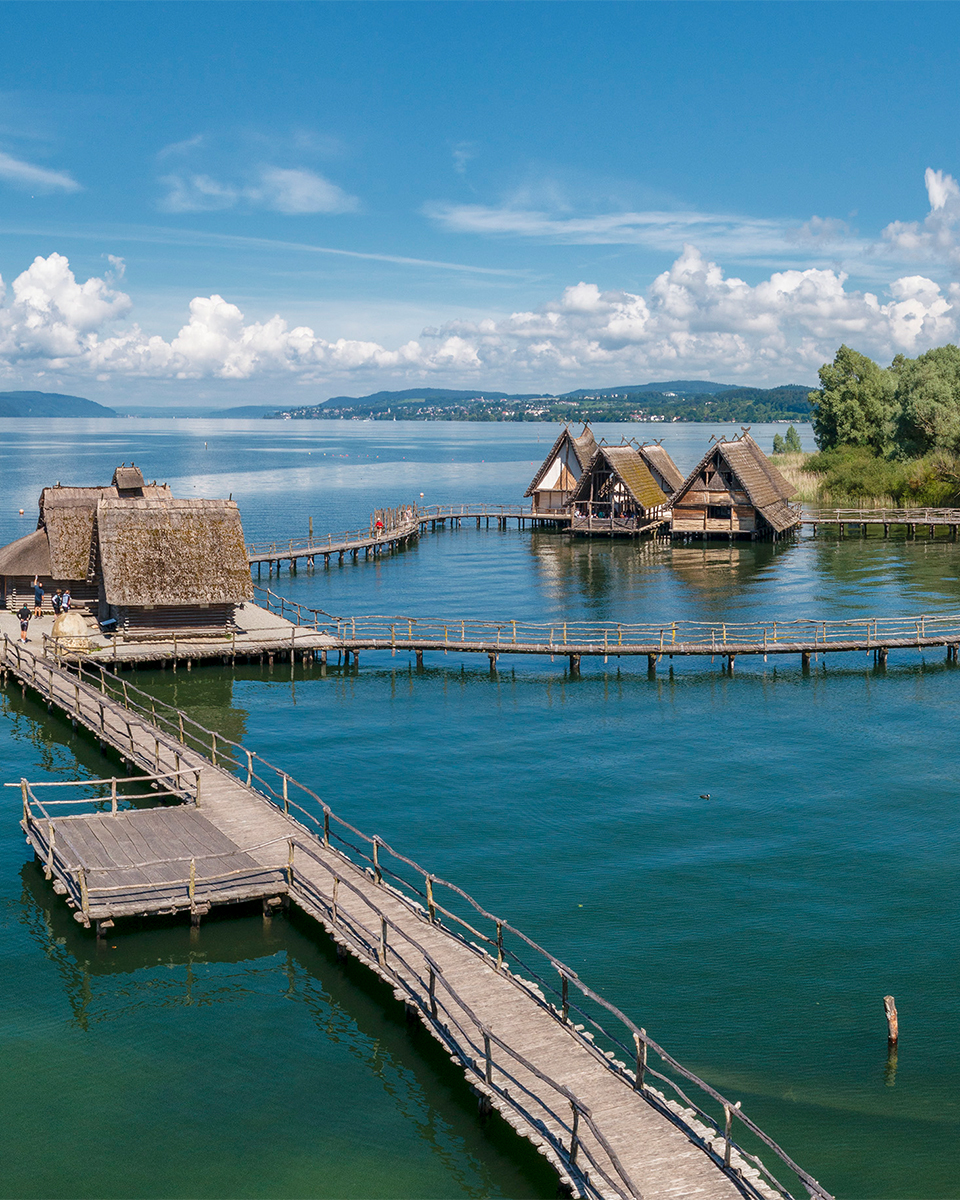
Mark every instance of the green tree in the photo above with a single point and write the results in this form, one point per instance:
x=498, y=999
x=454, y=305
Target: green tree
x=928, y=397
x=855, y=405
x=779, y=445
x=792, y=441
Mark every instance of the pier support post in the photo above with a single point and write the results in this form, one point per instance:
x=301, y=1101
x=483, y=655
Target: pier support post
x=419, y=660
x=651, y=664
x=805, y=661
x=882, y=656
x=493, y=663
x=574, y=664
x=731, y=659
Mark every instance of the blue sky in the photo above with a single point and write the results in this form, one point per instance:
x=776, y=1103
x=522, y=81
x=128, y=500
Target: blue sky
x=257, y=202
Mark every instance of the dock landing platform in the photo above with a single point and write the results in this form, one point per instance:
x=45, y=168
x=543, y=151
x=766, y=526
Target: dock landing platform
x=595, y=1094
x=111, y=861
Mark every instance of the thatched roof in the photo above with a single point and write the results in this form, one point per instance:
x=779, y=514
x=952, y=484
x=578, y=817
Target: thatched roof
x=627, y=465
x=67, y=514
x=169, y=552
x=766, y=488
x=662, y=467
x=582, y=447
x=28, y=555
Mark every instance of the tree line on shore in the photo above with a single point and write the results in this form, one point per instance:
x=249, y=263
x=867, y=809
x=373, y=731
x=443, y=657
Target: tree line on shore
x=889, y=431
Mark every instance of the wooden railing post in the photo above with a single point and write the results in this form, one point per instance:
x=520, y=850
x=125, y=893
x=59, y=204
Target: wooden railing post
x=565, y=998
x=326, y=826
x=286, y=798
x=249, y=768
x=431, y=907
x=499, y=944
x=641, y=1045
x=113, y=795
x=574, y=1132
x=488, y=1069
x=432, y=987
x=191, y=888
x=290, y=848
x=377, y=874
x=382, y=952
x=84, y=895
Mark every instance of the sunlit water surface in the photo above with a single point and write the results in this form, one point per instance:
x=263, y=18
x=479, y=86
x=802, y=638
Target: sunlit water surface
x=753, y=933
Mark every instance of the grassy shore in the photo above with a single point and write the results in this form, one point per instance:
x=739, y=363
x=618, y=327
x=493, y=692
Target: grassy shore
x=854, y=476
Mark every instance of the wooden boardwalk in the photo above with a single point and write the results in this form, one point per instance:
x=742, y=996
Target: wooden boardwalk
x=804, y=638
x=372, y=542
x=533, y=1040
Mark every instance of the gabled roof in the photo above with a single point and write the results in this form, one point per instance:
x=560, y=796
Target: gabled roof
x=659, y=460
x=127, y=479
x=583, y=447
x=624, y=462
x=28, y=555
x=766, y=488
x=168, y=552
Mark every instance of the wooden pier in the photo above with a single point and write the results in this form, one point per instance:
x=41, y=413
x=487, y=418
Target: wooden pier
x=606, y=1105
x=804, y=638
x=410, y=522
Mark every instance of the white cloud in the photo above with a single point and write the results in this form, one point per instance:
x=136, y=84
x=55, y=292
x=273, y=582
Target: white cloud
x=692, y=319
x=936, y=240
x=183, y=147
x=292, y=191
x=729, y=235
x=300, y=191
x=26, y=175
x=196, y=193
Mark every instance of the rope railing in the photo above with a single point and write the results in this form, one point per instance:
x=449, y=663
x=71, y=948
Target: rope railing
x=373, y=854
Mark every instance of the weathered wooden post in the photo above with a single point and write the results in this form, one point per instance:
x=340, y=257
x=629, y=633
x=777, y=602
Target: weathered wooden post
x=893, y=1029
x=574, y=1133
x=641, y=1045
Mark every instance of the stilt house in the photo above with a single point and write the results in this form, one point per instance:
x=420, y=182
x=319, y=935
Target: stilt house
x=134, y=557
x=735, y=491
x=554, y=483
x=617, y=494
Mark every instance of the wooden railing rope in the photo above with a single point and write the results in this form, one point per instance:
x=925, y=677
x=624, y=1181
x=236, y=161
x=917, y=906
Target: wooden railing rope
x=270, y=781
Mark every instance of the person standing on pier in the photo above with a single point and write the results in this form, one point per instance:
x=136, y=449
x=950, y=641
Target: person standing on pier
x=66, y=600
x=57, y=602
x=37, y=596
x=24, y=615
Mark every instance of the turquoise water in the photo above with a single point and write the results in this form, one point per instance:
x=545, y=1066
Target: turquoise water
x=753, y=933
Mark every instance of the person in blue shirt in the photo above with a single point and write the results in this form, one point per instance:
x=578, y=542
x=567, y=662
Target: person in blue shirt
x=37, y=596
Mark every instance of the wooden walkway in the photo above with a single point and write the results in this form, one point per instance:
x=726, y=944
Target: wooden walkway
x=805, y=638
x=533, y=1040
x=415, y=520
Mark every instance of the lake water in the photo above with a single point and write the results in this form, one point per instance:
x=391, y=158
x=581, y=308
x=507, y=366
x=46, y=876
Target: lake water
x=753, y=933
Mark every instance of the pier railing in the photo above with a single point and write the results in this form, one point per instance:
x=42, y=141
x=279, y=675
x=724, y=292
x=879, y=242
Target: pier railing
x=887, y=516
x=615, y=637
x=624, y=1047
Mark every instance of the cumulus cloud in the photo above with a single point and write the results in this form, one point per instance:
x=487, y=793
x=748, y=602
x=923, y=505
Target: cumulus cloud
x=293, y=191
x=936, y=239
x=692, y=319
x=26, y=175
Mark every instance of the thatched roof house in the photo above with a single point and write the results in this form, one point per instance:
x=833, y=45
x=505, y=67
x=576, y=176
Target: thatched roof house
x=135, y=556
x=617, y=494
x=735, y=490
x=560, y=471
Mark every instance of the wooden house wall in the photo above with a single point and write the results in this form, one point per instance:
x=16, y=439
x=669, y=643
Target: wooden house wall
x=559, y=480
x=16, y=590
x=192, y=620
x=715, y=504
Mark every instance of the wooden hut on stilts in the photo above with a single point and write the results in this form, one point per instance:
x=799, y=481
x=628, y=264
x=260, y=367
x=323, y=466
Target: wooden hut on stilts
x=140, y=561
x=735, y=491
x=617, y=495
x=560, y=471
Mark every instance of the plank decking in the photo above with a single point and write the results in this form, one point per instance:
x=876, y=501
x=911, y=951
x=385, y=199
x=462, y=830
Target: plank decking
x=606, y=1129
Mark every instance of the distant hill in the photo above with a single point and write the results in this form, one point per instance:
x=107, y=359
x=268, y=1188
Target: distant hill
x=50, y=404
x=160, y=411
x=673, y=400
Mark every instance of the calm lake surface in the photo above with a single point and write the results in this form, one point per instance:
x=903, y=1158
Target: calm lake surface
x=753, y=933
